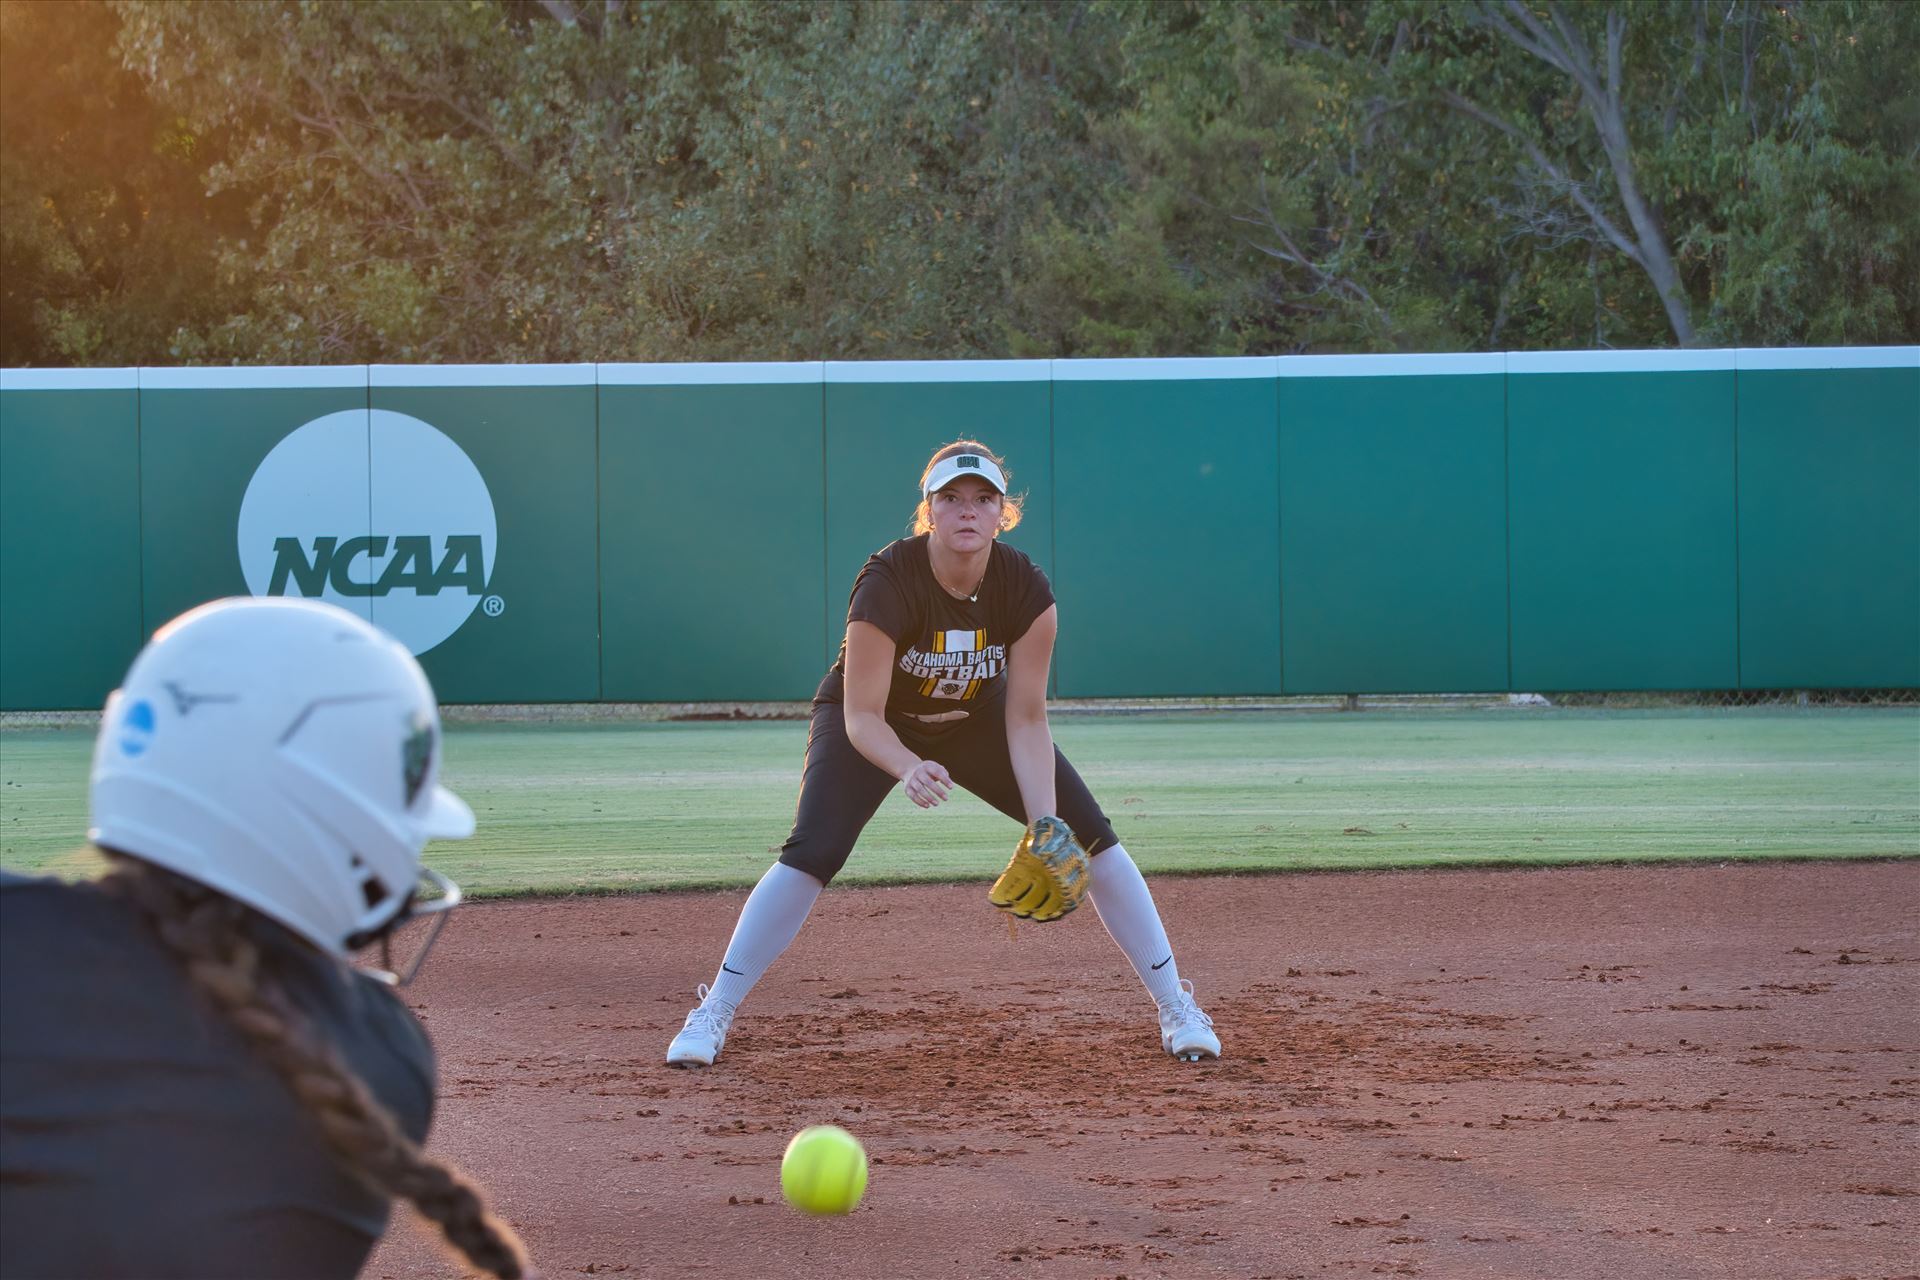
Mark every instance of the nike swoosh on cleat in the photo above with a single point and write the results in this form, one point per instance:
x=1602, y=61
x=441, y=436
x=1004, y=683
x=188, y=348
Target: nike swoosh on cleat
x=1161, y=965
x=736, y=973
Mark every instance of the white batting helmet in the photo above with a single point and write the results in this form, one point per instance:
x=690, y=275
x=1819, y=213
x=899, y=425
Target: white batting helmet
x=285, y=752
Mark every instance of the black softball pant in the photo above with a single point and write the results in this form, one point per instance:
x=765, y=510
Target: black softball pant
x=840, y=789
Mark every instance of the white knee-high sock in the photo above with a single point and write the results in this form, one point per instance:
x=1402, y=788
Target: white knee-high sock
x=1125, y=904
x=769, y=922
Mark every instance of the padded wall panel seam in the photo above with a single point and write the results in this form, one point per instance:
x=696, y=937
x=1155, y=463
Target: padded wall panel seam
x=1393, y=534
x=1169, y=537
x=1829, y=472
x=712, y=577
x=878, y=437
x=1622, y=510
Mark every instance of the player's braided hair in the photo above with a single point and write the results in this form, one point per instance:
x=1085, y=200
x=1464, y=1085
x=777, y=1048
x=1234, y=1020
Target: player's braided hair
x=211, y=935
x=1010, y=506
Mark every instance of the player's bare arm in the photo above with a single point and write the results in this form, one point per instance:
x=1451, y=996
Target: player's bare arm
x=869, y=670
x=1029, y=738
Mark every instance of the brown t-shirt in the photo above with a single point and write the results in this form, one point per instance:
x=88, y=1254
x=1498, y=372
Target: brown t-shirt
x=947, y=651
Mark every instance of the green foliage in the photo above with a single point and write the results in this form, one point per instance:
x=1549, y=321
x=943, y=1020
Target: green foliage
x=1812, y=230
x=1116, y=294
x=106, y=230
x=1783, y=199
x=1263, y=171
x=502, y=180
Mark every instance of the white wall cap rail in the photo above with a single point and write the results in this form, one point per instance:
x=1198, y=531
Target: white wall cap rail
x=210, y=378
x=704, y=374
x=1393, y=365
x=480, y=375
x=1827, y=358
x=1174, y=369
x=69, y=379
x=939, y=370
x=1695, y=360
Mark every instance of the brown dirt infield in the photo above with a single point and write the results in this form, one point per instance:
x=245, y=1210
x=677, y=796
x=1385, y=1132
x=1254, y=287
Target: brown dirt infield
x=1593, y=1072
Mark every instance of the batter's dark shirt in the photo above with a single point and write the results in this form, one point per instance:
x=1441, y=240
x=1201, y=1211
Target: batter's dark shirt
x=947, y=652
x=141, y=1137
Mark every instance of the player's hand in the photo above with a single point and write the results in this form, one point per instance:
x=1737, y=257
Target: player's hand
x=938, y=718
x=927, y=783
x=1048, y=875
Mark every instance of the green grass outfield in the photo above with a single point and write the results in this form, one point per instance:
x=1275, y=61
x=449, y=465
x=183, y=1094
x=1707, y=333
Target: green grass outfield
x=642, y=806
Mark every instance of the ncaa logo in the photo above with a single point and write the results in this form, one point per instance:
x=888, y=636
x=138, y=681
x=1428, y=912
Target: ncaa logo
x=377, y=512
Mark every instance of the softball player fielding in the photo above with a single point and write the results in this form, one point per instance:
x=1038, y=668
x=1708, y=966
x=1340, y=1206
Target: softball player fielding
x=942, y=681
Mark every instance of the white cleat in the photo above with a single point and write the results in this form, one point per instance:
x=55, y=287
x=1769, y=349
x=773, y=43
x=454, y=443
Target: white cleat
x=1186, y=1031
x=699, y=1042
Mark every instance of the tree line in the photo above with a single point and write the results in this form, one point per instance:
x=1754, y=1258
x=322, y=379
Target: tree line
x=316, y=181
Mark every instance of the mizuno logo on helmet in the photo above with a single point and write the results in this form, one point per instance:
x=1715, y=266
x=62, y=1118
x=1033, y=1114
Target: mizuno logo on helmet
x=185, y=701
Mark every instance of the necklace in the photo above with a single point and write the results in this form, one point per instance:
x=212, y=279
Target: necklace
x=972, y=597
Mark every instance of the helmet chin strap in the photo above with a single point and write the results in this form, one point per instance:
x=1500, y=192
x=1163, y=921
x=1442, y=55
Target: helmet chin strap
x=438, y=908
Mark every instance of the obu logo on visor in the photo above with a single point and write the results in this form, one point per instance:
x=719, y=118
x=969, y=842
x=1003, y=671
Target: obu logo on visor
x=400, y=519
x=967, y=460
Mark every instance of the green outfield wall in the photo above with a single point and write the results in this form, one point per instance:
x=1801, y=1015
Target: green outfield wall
x=1393, y=524
x=1623, y=564
x=1168, y=532
x=712, y=545
x=1729, y=519
x=70, y=615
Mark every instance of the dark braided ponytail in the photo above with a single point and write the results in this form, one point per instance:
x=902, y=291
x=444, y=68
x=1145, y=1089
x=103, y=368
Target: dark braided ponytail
x=210, y=935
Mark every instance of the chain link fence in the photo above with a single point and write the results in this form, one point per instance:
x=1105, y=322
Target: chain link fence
x=1606, y=700
x=1742, y=698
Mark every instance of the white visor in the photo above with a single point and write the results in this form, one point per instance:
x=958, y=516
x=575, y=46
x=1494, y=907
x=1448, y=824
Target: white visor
x=963, y=464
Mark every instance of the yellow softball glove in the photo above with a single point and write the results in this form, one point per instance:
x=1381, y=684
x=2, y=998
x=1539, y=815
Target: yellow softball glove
x=1048, y=875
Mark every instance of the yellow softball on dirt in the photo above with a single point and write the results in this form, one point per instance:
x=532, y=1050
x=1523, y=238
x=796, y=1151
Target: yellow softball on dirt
x=824, y=1170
